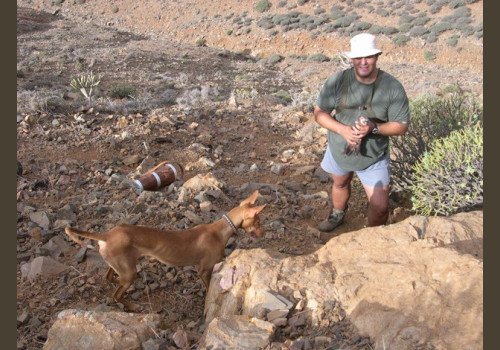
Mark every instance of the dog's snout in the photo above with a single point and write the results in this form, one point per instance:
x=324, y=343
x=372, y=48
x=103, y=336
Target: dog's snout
x=257, y=233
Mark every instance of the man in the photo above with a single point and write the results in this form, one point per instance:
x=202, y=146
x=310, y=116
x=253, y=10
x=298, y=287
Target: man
x=354, y=147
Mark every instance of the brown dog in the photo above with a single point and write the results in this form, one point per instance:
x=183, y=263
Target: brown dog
x=202, y=245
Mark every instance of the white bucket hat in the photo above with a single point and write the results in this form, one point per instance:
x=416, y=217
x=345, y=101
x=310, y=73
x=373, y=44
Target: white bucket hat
x=363, y=45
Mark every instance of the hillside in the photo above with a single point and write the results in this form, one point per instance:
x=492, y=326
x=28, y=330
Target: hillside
x=221, y=89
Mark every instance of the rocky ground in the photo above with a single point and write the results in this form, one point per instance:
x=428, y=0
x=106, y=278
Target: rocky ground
x=228, y=108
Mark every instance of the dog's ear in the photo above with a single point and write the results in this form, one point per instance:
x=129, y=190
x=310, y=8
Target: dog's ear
x=252, y=199
x=250, y=213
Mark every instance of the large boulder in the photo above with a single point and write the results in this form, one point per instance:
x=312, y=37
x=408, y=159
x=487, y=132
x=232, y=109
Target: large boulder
x=78, y=329
x=412, y=284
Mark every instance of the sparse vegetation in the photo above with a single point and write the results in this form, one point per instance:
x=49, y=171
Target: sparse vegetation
x=86, y=84
x=400, y=39
x=201, y=42
x=283, y=96
x=39, y=101
x=163, y=97
x=449, y=178
x=433, y=118
x=319, y=57
x=262, y=6
x=452, y=41
x=429, y=56
x=122, y=91
x=418, y=31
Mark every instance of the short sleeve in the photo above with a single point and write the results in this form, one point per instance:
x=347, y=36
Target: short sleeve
x=399, y=110
x=330, y=94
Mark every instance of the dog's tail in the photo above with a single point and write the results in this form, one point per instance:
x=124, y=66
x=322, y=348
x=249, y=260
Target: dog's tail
x=74, y=232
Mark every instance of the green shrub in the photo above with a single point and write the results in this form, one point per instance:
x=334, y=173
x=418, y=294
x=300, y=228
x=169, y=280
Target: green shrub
x=318, y=57
x=273, y=59
x=452, y=41
x=467, y=30
x=449, y=178
x=265, y=23
x=418, y=31
x=229, y=32
x=301, y=2
x=282, y=3
x=345, y=21
x=122, y=91
x=115, y=9
x=319, y=10
x=456, y=4
x=441, y=27
x=262, y=6
x=336, y=15
x=283, y=96
x=432, y=117
x=376, y=29
x=361, y=25
x=400, y=40
x=200, y=42
x=435, y=8
x=405, y=27
x=429, y=56
x=388, y=30
x=420, y=21
x=430, y=38
x=382, y=12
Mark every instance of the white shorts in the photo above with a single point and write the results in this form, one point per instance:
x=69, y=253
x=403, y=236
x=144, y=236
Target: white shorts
x=377, y=174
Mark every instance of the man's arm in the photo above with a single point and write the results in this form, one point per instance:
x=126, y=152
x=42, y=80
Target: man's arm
x=386, y=129
x=347, y=132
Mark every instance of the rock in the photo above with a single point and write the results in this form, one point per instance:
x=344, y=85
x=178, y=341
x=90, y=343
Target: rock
x=57, y=246
x=283, y=313
x=181, y=339
x=254, y=168
x=204, y=162
x=94, y=260
x=67, y=213
x=199, y=182
x=155, y=344
x=41, y=219
x=81, y=254
x=278, y=169
x=396, y=284
x=305, y=169
x=238, y=332
x=24, y=317
x=322, y=175
x=131, y=160
x=195, y=219
x=78, y=329
x=206, y=206
x=19, y=168
x=42, y=266
x=232, y=101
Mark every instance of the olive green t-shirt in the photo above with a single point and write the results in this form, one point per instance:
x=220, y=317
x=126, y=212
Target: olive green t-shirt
x=389, y=103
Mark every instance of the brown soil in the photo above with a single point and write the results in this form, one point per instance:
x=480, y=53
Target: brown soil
x=151, y=46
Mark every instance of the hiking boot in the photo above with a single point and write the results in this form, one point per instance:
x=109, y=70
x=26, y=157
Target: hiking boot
x=335, y=219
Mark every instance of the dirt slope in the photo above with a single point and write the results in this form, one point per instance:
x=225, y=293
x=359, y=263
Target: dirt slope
x=180, y=111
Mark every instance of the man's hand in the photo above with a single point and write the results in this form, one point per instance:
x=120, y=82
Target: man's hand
x=359, y=130
x=363, y=126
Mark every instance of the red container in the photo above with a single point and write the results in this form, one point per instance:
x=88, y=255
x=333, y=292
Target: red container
x=161, y=175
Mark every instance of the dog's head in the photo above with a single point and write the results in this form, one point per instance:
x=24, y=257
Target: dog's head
x=251, y=221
